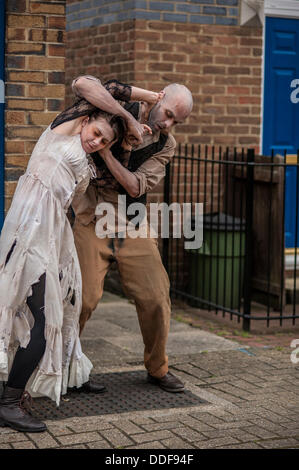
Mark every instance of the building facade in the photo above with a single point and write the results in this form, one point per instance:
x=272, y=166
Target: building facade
x=238, y=57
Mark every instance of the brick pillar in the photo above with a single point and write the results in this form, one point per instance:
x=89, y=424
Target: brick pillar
x=35, y=90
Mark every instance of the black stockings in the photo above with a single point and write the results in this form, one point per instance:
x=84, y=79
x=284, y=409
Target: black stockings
x=27, y=359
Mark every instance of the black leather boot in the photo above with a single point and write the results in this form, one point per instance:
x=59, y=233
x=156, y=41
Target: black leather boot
x=88, y=387
x=14, y=411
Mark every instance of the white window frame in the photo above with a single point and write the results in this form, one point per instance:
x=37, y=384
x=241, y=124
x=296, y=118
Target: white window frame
x=282, y=8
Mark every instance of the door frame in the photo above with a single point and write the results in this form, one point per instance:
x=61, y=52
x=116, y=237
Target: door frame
x=273, y=8
x=288, y=10
x=278, y=9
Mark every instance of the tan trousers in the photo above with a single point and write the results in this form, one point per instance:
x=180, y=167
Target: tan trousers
x=143, y=279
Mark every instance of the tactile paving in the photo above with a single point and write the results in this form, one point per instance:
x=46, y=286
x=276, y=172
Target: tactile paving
x=126, y=391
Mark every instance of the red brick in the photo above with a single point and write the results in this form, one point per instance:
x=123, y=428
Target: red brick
x=38, y=35
x=23, y=132
x=26, y=21
x=56, y=22
x=35, y=77
x=213, y=69
x=238, y=129
x=14, y=147
x=15, y=62
x=15, y=117
x=212, y=129
x=153, y=46
x=56, y=77
x=160, y=67
x=46, y=91
x=238, y=90
x=25, y=48
x=10, y=187
x=161, y=25
x=56, y=50
x=16, y=6
x=213, y=90
x=41, y=119
x=25, y=104
x=45, y=63
x=249, y=100
x=147, y=35
x=239, y=70
x=251, y=42
x=55, y=36
x=53, y=9
x=18, y=34
x=16, y=161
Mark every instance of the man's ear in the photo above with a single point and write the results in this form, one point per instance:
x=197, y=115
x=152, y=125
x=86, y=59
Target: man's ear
x=161, y=95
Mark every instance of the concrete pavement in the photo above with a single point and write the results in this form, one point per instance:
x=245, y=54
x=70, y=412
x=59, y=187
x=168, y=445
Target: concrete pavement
x=240, y=397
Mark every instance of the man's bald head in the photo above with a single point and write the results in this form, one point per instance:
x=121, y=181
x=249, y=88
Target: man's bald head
x=179, y=94
x=174, y=108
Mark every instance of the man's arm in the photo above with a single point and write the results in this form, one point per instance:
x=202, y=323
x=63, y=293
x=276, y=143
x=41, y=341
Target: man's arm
x=150, y=173
x=147, y=176
x=125, y=177
x=92, y=90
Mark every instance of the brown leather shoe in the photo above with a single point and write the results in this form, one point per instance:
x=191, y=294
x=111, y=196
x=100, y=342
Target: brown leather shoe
x=88, y=387
x=15, y=412
x=169, y=383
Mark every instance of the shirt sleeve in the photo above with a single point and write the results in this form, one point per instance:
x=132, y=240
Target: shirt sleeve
x=150, y=173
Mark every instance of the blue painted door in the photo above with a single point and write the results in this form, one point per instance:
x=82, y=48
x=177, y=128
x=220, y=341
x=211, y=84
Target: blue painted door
x=2, y=80
x=281, y=115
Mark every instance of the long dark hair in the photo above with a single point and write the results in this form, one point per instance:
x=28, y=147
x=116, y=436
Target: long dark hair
x=119, y=127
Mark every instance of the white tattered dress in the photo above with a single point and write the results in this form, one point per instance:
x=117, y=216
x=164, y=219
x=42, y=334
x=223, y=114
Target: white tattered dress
x=38, y=227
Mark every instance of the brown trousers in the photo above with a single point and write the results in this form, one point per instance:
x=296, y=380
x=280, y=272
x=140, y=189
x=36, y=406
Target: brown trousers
x=143, y=279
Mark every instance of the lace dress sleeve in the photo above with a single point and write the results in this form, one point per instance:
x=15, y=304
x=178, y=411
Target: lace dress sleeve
x=81, y=107
x=118, y=90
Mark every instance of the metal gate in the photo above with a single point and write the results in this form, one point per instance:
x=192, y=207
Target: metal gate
x=240, y=268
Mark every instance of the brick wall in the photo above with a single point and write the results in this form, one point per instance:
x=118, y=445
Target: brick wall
x=85, y=14
x=196, y=42
x=35, y=81
x=222, y=66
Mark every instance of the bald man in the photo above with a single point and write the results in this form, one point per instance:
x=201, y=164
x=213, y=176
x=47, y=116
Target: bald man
x=139, y=170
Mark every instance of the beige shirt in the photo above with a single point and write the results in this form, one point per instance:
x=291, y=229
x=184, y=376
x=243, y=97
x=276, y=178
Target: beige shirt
x=148, y=174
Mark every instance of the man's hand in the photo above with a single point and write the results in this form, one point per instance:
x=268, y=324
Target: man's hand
x=125, y=177
x=135, y=132
x=149, y=97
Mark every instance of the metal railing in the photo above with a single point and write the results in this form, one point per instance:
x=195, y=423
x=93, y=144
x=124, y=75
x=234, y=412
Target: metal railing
x=240, y=269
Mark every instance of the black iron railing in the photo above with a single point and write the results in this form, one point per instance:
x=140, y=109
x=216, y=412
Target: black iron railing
x=241, y=268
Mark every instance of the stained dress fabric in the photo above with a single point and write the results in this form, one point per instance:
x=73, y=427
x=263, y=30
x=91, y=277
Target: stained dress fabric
x=38, y=234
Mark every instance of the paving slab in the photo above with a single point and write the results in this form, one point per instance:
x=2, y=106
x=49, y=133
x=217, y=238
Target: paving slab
x=241, y=397
x=114, y=326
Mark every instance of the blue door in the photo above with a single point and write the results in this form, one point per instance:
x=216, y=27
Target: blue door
x=281, y=115
x=2, y=42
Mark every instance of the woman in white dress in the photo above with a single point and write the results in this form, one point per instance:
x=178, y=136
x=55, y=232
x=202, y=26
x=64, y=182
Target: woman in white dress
x=40, y=279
